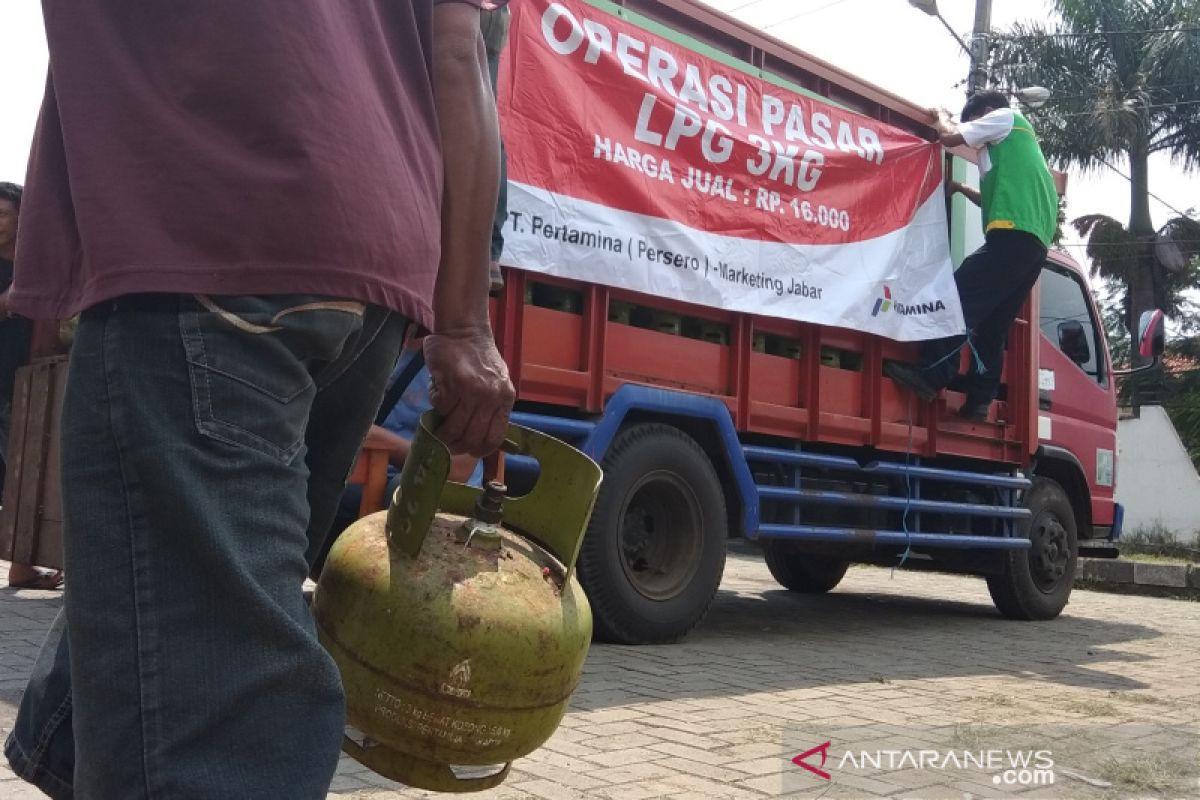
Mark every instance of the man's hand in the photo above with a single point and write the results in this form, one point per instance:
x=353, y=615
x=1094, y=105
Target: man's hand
x=470, y=389
x=947, y=130
x=4, y=312
x=969, y=192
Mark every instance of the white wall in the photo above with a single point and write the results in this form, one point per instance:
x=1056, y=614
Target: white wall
x=1156, y=481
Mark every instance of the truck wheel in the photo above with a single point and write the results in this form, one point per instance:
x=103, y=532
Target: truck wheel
x=802, y=572
x=1036, y=583
x=654, y=551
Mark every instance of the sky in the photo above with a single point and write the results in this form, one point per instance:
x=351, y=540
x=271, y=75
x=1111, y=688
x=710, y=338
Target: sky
x=886, y=42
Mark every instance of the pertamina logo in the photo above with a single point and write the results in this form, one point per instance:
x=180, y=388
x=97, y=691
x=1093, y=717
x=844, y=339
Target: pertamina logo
x=459, y=681
x=885, y=304
x=882, y=304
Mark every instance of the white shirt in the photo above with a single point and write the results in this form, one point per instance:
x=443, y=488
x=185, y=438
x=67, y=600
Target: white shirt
x=991, y=128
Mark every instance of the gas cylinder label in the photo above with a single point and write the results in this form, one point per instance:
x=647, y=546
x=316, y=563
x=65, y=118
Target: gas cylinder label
x=458, y=684
x=443, y=727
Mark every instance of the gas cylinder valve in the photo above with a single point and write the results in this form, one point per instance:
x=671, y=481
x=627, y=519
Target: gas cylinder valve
x=482, y=529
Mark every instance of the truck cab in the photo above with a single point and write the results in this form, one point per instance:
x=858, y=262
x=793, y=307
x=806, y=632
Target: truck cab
x=1077, y=403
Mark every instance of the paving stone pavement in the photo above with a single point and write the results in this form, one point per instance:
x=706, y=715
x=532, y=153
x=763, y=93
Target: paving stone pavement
x=896, y=663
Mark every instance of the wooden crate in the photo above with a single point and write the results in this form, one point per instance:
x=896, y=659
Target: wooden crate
x=31, y=518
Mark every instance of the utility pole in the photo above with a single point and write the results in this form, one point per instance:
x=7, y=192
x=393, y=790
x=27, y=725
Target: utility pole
x=978, y=51
x=977, y=80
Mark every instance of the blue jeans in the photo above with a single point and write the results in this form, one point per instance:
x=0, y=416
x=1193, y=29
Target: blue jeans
x=203, y=441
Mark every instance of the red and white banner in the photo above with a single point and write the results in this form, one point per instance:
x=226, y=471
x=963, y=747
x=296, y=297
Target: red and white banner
x=639, y=163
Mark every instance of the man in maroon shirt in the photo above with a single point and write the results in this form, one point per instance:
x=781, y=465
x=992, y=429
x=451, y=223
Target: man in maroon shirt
x=247, y=202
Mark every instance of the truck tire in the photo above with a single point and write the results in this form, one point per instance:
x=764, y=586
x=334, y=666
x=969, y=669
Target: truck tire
x=1036, y=583
x=800, y=571
x=654, y=551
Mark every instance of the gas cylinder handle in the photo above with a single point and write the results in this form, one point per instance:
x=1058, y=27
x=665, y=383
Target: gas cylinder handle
x=422, y=480
x=555, y=513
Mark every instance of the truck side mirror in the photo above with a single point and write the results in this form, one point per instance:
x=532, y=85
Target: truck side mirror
x=1151, y=336
x=1073, y=342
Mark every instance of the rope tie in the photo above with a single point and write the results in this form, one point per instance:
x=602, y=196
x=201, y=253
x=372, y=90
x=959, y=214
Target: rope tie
x=980, y=367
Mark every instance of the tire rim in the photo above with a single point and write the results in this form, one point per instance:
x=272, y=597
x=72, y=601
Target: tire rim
x=1049, y=552
x=661, y=535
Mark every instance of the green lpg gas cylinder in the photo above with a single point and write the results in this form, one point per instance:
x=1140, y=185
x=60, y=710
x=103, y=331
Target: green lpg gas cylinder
x=455, y=617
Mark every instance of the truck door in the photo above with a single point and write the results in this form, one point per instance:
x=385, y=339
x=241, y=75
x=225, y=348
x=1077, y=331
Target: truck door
x=1077, y=401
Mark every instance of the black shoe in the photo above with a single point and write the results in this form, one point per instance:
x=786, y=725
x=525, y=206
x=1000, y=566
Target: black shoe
x=911, y=378
x=974, y=412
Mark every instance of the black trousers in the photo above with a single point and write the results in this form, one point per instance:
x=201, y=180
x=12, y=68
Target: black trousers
x=993, y=283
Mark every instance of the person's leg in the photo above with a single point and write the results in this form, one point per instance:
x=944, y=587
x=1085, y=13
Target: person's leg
x=940, y=359
x=41, y=746
x=1023, y=256
x=195, y=671
x=978, y=280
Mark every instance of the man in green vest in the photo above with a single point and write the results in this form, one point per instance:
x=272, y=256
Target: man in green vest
x=1020, y=217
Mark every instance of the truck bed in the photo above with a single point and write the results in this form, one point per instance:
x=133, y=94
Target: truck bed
x=572, y=345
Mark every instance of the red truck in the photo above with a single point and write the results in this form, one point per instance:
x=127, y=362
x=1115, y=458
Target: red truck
x=713, y=423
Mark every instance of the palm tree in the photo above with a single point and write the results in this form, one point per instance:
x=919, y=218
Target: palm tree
x=1125, y=77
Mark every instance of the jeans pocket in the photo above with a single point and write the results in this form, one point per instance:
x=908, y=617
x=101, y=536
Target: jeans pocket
x=251, y=361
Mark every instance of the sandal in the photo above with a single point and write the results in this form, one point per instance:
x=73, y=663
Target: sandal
x=45, y=581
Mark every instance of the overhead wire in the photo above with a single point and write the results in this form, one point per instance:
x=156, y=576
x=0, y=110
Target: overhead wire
x=743, y=5
x=1124, y=244
x=806, y=13
x=1188, y=102
x=1058, y=97
x=1075, y=35
x=1148, y=192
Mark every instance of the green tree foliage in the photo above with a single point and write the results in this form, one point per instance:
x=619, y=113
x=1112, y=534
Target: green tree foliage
x=1125, y=77
x=1181, y=392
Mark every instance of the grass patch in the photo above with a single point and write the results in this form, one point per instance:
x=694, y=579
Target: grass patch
x=1143, y=772
x=967, y=737
x=1090, y=708
x=1166, y=592
x=1133, y=697
x=1156, y=558
x=1157, y=540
